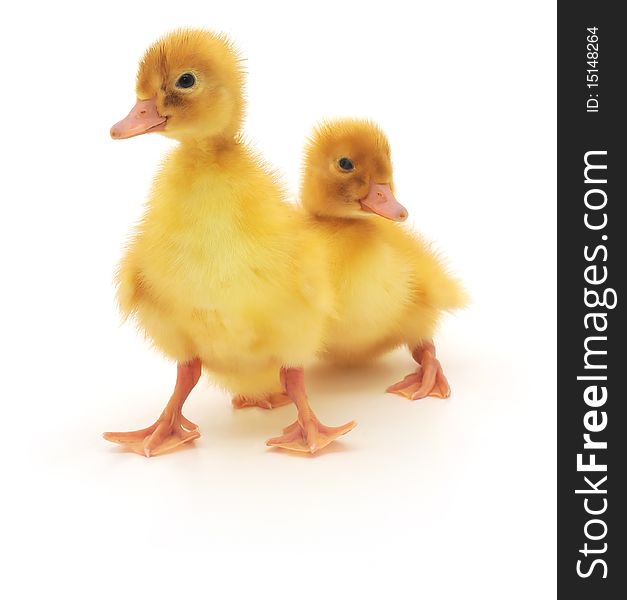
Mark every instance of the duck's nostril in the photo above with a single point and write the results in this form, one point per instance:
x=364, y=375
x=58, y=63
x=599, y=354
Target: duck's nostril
x=380, y=194
x=142, y=112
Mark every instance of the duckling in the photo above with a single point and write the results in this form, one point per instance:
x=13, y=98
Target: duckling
x=218, y=273
x=392, y=287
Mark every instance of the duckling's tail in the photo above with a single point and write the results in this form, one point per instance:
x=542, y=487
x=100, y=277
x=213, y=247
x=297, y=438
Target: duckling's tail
x=447, y=293
x=439, y=288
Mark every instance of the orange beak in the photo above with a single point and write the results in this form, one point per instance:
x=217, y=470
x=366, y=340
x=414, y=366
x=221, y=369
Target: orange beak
x=143, y=118
x=381, y=200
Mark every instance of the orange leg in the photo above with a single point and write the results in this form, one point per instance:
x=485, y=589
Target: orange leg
x=171, y=429
x=427, y=380
x=306, y=434
x=267, y=401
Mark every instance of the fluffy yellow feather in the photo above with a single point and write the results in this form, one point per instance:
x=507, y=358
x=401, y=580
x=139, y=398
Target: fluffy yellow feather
x=219, y=271
x=392, y=288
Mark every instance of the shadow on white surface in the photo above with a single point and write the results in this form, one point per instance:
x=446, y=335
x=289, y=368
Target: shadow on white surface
x=431, y=499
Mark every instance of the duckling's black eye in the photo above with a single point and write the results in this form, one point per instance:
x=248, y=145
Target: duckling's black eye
x=346, y=164
x=186, y=80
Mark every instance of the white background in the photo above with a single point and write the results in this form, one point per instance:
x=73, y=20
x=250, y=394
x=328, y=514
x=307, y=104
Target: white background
x=432, y=499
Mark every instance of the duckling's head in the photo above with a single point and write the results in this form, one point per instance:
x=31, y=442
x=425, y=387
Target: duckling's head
x=189, y=86
x=348, y=172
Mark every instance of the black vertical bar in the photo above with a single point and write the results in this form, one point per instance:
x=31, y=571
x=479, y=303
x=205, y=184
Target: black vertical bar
x=592, y=254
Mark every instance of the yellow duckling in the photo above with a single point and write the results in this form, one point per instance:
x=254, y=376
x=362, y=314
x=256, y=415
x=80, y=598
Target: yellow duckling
x=219, y=272
x=391, y=287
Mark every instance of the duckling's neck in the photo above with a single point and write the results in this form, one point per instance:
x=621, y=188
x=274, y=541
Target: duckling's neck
x=367, y=224
x=209, y=149
x=213, y=179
